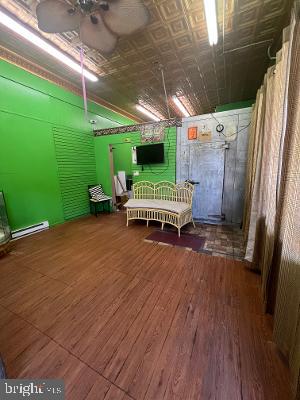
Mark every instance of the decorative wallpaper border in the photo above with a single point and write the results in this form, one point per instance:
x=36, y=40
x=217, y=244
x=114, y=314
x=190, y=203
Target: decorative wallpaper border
x=168, y=123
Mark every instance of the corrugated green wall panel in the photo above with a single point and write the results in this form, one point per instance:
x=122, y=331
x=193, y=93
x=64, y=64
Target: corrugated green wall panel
x=75, y=155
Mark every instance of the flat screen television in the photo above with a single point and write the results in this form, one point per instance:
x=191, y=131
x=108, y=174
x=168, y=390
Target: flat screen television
x=150, y=154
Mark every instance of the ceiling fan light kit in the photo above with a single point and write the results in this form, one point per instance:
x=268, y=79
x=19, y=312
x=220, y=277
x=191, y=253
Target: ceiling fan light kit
x=33, y=38
x=99, y=22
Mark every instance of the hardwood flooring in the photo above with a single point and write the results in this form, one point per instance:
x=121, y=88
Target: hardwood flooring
x=120, y=319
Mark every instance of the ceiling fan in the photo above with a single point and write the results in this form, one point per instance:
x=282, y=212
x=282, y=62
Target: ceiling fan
x=100, y=22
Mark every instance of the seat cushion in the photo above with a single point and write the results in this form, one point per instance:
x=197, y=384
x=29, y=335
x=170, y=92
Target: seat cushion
x=173, y=206
x=99, y=198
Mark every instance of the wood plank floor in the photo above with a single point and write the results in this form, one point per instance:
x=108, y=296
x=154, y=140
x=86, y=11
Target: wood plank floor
x=119, y=318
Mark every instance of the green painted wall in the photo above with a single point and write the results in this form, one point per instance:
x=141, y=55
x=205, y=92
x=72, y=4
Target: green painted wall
x=28, y=175
x=154, y=173
x=30, y=108
x=235, y=106
x=102, y=157
x=158, y=172
x=122, y=153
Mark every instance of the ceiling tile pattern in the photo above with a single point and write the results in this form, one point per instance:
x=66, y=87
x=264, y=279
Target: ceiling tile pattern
x=176, y=38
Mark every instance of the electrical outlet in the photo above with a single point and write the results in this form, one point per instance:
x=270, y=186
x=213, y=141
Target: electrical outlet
x=136, y=173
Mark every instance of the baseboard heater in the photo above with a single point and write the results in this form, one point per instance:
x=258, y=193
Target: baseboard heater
x=29, y=230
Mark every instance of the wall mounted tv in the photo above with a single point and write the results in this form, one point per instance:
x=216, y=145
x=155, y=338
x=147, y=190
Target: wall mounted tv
x=150, y=154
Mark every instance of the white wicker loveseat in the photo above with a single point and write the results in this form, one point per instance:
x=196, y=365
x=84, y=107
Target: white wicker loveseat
x=163, y=201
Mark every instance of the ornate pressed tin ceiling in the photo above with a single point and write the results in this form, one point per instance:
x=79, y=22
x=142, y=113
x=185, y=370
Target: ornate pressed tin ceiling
x=176, y=38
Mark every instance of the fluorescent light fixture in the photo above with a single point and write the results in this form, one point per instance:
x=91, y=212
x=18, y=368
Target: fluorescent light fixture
x=147, y=112
x=211, y=21
x=16, y=27
x=180, y=106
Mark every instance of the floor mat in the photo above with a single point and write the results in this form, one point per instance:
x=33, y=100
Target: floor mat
x=186, y=240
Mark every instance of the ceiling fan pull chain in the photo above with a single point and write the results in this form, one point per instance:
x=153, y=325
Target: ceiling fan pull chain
x=83, y=84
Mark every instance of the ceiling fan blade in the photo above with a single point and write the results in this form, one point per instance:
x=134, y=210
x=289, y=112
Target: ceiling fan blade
x=56, y=16
x=126, y=16
x=95, y=34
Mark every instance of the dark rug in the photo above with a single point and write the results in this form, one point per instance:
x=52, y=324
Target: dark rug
x=2, y=369
x=187, y=240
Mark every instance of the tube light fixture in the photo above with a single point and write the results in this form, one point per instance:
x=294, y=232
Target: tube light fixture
x=180, y=106
x=147, y=112
x=16, y=27
x=211, y=21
